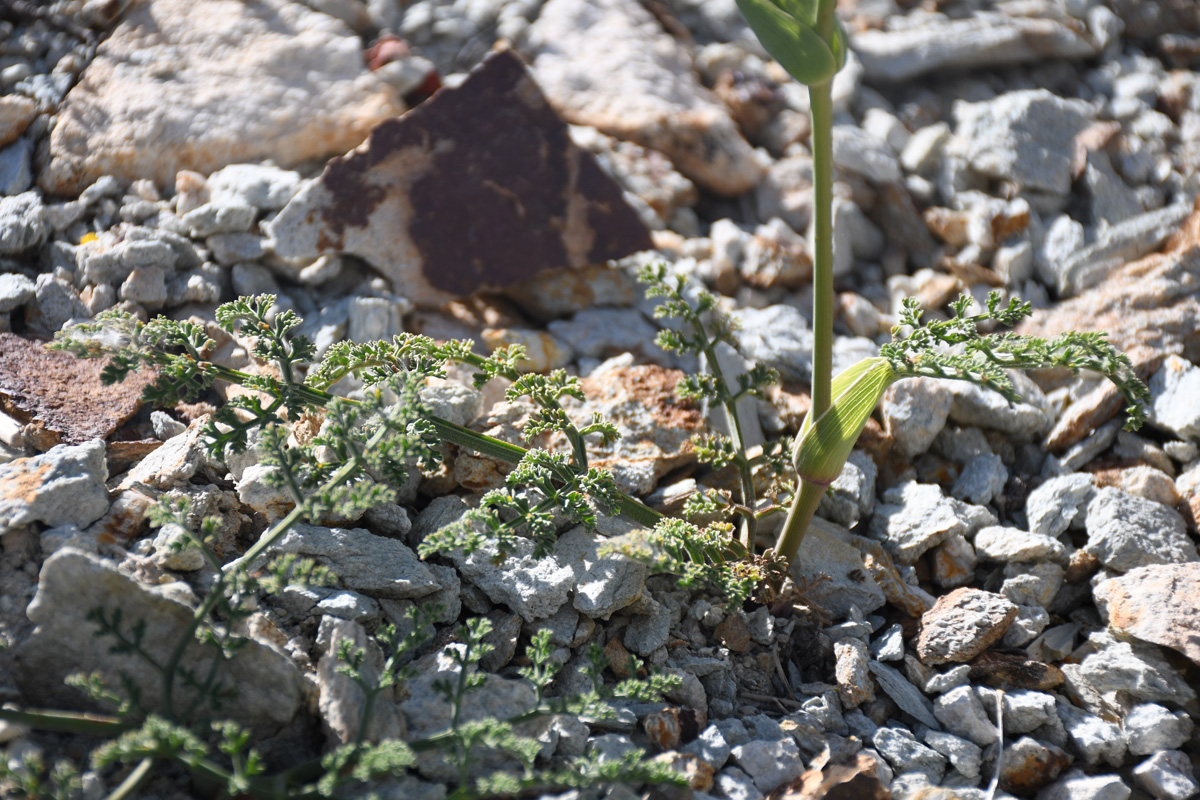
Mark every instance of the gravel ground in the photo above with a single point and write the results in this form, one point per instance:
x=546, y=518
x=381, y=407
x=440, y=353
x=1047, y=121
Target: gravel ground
x=975, y=560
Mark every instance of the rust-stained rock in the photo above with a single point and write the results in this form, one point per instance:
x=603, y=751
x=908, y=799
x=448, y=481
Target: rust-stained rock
x=618, y=659
x=16, y=112
x=1140, y=481
x=948, y=225
x=671, y=727
x=963, y=624
x=752, y=100
x=171, y=464
x=733, y=633
x=1029, y=765
x=1150, y=303
x=656, y=426
x=125, y=519
x=479, y=187
x=878, y=562
x=1159, y=604
x=1097, y=406
x=954, y=562
x=1081, y=566
x=1005, y=671
x=1188, y=485
x=63, y=486
x=61, y=395
x=124, y=454
x=856, y=780
x=791, y=403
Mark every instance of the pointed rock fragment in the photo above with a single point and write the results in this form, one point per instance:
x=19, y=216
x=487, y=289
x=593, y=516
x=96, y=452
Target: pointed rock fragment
x=479, y=187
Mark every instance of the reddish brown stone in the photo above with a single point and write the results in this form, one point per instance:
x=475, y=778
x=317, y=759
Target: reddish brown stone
x=125, y=519
x=1097, y=406
x=948, y=225
x=791, y=403
x=656, y=427
x=671, y=727
x=751, y=100
x=733, y=633
x=1005, y=671
x=618, y=659
x=937, y=292
x=1081, y=566
x=1150, y=303
x=963, y=624
x=1159, y=604
x=856, y=780
x=1029, y=765
x=479, y=187
x=1140, y=480
x=699, y=776
x=61, y=395
x=124, y=454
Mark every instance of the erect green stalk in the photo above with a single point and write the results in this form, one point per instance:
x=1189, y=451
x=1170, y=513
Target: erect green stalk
x=809, y=494
x=821, y=109
x=826, y=10
x=800, y=514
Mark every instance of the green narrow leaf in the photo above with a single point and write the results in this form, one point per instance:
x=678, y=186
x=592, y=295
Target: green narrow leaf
x=796, y=46
x=824, y=444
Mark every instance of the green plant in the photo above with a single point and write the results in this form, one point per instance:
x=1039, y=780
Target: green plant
x=29, y=778
x=363, y=451
x=704, y=328
x=807, y=39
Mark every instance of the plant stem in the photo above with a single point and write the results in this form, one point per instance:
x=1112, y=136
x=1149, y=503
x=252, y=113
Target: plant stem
x=821, y=109
x=132, y=781
x=800, y=514
x=734, y=423
x=66, y=721
x=181, y=645
x=808, y=495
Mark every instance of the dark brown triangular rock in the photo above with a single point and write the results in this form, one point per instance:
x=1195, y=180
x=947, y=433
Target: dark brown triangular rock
x=479, y=187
